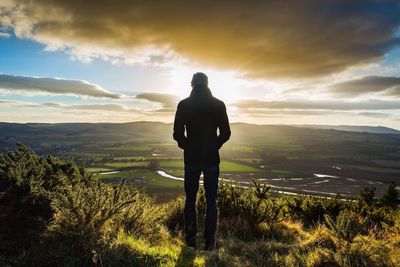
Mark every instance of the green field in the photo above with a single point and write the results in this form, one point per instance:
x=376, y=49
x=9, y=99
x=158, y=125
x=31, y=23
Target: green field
x=126, y=164
x=225, y=166
x=230, y=166
x=98, y=169
x=151, y=177
x=132, y=148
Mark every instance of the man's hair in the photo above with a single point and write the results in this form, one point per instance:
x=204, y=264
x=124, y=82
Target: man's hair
x=199, y=78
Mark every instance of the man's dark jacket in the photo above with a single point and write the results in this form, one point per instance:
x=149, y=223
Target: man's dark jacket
x=201, y=114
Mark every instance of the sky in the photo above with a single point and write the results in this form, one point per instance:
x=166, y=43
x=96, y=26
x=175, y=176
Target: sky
x=271, y=62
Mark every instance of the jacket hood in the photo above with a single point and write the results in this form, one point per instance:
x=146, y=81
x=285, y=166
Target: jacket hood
x=200, y=90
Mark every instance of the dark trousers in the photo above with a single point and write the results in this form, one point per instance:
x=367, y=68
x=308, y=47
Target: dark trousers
x=192, y=176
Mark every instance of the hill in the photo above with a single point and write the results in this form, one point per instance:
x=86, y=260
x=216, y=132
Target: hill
x=351, y=128
x=54, y=213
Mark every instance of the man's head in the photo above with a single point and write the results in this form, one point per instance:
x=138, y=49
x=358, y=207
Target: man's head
x=199, y=78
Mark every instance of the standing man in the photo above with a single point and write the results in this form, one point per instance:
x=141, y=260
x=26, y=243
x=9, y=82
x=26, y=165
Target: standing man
x=201, y=115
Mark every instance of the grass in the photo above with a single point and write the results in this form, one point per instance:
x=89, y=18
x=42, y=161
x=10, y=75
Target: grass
x=171, y=164
x=152, y=178
x=129, y=147
x=225, y=166
x=230, y=166
x=134, y=158
x=244, y=149
x=161, y=188
x=98, y=169
x=126, y=164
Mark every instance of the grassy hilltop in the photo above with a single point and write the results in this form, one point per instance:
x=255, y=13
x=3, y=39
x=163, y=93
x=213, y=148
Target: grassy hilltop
x=54, y=213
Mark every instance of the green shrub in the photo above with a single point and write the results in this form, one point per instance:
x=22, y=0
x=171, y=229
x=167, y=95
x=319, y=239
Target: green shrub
x=27, y=183
x=244, y=212
x=311, y=210
x=391, y=196
x=48, y=205
x=367, y=195
x=173, y=218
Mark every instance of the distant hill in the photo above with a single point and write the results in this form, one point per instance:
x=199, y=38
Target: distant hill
x=351, y=128
x=158, y=132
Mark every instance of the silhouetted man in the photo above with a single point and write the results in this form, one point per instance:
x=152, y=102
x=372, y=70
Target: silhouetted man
x=201, y=115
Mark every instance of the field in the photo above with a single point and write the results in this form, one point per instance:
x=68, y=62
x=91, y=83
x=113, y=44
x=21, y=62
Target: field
x=293, y=160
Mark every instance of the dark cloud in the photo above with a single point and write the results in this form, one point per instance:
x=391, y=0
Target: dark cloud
x=263, y=38
x=368, y=84
x=54, y=86
x=253, y=104
x=167, y=101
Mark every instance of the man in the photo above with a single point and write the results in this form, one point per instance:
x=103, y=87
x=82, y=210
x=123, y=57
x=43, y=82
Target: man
x=201, y=114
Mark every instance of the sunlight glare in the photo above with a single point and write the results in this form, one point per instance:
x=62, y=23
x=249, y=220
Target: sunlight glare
x=224, y=85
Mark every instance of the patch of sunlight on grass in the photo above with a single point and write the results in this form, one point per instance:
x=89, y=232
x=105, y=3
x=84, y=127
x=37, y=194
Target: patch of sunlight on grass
x=166, y=255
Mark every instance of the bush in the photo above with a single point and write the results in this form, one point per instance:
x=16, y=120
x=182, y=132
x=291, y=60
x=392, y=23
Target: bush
x=48, y=205
x=248, y=210
x=26, y=189
x=391, y=196
x=311, y=210
x=367, y=195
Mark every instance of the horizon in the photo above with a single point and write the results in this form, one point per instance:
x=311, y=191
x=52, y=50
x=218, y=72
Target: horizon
x=232, y=123
x=126, y=61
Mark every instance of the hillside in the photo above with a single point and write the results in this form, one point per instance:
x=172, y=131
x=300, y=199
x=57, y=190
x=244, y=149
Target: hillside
x=351, y=128
x=151, y=131
x=54, y=213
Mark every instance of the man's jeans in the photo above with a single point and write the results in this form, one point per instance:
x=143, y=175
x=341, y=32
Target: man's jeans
x=192, y=176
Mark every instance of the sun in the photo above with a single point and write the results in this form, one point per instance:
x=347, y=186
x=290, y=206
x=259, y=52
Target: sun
x=225, y=85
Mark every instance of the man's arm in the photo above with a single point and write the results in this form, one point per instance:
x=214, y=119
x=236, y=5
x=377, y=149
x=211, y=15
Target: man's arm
x=179, y=127
x=224, y=129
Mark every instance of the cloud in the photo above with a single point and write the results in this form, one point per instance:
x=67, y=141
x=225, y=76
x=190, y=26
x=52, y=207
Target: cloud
x=304, y=112
x=6, y=102
x=375, y=114
x=96, y=107
x=369, y=84
x=4, y=35
x=116, y=108
x=317, y=109
x=54, y=86
x=252, y=104
x=167, y=101
x=261, y=38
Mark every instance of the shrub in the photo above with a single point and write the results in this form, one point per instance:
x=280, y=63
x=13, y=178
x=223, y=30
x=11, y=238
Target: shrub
x=391, y=196
x=27, y=182
x=367, y=195
x=249, y=210
x=311, y=210
x=48, y=205
x=173, y=218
